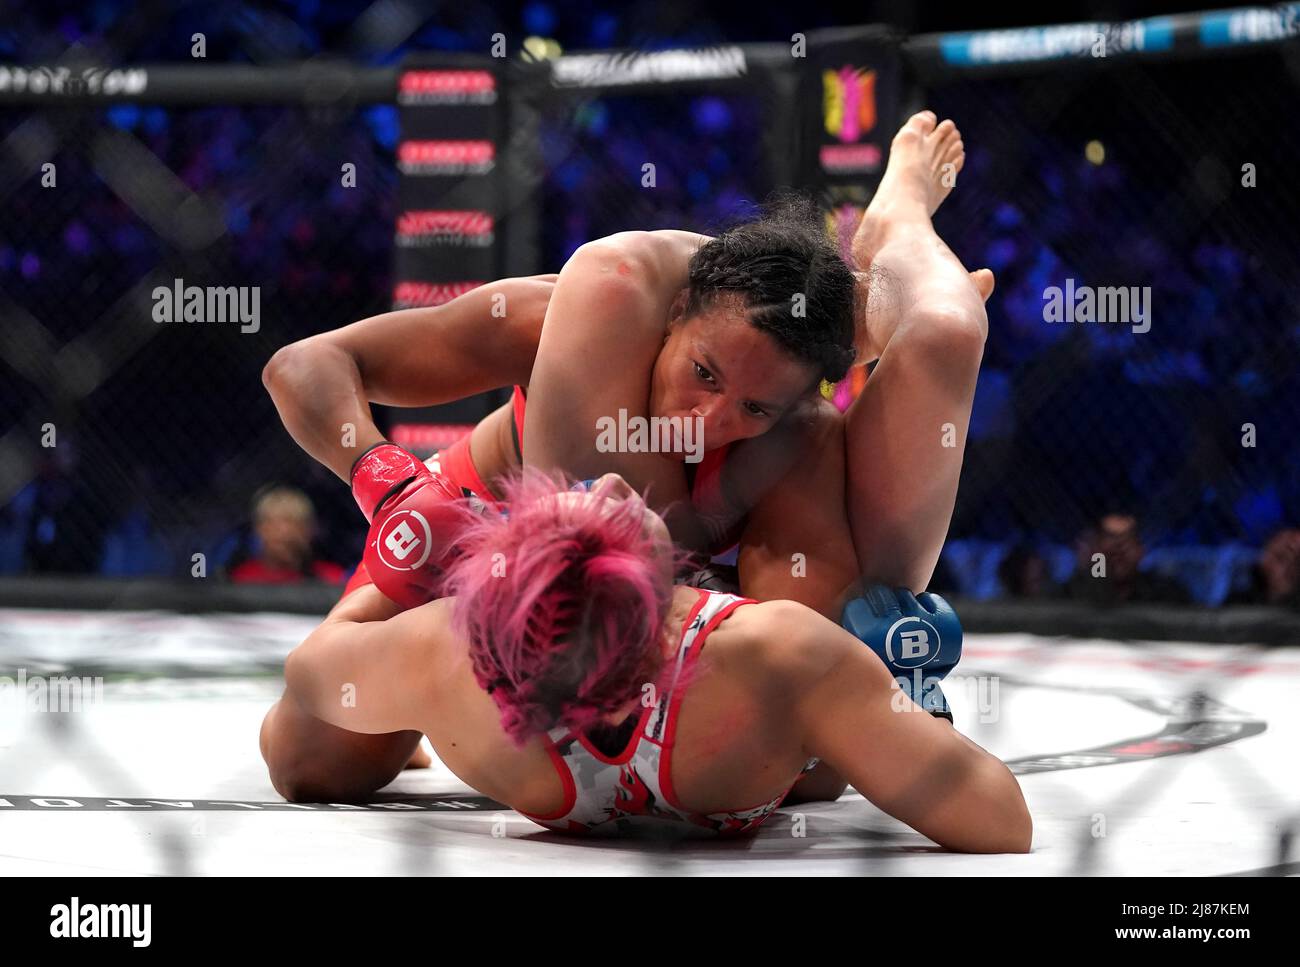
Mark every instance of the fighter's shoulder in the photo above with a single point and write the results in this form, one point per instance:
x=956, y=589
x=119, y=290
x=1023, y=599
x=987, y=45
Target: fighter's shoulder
x=786, y=644
x=652, y=253
x=654, y=240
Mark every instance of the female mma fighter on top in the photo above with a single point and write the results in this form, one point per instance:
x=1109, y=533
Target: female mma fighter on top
x=695, y=319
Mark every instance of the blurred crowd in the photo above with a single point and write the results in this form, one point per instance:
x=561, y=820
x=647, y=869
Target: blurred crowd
x=159, y=430
x=1103, y=465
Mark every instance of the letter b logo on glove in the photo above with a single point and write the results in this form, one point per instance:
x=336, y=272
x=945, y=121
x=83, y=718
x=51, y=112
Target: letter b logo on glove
x=907, y=632
x=911, y=642
x=400, y=541
x=916, y=644
x=910, y=633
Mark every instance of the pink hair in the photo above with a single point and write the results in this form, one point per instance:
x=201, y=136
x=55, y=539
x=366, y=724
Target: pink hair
x=563, y=604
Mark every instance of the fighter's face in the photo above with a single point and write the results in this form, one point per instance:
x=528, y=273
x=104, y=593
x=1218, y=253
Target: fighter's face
x=734, y=378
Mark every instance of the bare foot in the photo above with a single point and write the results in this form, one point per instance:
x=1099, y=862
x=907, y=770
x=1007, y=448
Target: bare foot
x=421, y=759
x=925, y=158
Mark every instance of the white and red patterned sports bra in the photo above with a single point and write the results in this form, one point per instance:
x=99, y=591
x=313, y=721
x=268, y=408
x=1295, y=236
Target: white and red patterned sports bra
x=634, y=791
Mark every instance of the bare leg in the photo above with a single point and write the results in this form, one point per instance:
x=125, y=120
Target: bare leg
x=924, y=162
x=796, y=544
x=811, y=561
x=906, y=433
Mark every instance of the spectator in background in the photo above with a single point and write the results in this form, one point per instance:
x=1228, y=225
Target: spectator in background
x=1023, y=573
x=284, y=523
x=1275, y=578
x=1115, y=538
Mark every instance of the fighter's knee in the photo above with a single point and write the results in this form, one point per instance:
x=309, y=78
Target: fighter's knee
x=949, y=333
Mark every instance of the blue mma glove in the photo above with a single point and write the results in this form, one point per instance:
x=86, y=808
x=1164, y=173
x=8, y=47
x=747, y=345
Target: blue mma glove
x=918, y=637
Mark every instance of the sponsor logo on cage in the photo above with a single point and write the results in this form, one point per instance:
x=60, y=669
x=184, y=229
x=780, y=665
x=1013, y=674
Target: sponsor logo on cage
x=447, y=87
x=1049, y=43
x=52, y=693
x=847, y=159
x=658, y=434
x=1250, y=26
x=590, y=70
x=1129, y=305
x=471, y=229
x=75, y=920
x=849, y=103
x=213, y=303
x=446, y=157
x=61, y=81
x=411, y=295
x=429, y=437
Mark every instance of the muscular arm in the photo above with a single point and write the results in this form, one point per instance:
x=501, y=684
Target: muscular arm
x=367, y=669
x=481, y=340
x=912, y=765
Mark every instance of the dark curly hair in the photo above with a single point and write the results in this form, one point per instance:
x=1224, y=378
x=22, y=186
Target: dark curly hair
x=766, y=262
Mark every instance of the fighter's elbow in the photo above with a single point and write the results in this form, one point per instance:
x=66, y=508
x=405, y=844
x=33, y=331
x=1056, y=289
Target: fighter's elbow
x=949, y=333
x=1025, y=836
x=1020, y=825
x=1007, y=825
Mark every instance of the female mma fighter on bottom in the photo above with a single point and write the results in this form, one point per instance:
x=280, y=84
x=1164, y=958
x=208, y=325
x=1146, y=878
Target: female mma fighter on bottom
x=567, y=677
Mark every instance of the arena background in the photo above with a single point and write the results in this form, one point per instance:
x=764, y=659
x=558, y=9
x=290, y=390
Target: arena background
x=130, y=448
x=1125, y=168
